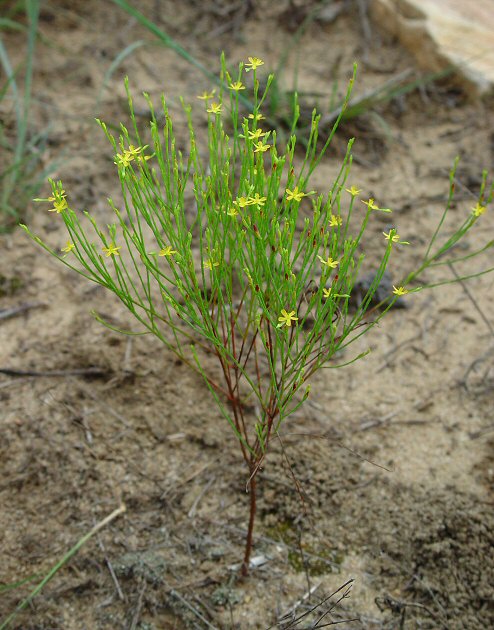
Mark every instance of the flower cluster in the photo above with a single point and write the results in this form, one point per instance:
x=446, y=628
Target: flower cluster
x=243, y=202
x=256, y=139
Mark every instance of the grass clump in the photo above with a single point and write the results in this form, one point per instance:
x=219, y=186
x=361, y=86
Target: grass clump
x=21, y=173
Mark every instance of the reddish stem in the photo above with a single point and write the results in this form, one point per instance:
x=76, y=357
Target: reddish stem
x=252, y=516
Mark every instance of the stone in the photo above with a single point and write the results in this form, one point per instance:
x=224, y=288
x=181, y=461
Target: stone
x=445, y=33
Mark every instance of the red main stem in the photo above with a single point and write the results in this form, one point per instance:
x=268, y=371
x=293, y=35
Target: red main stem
x=250, y=530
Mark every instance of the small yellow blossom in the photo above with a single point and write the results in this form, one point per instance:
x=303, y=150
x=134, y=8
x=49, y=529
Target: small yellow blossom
x=123, y=159
x=134, y=151
x=294, y=194
x=59, y=201
x=57, y=196
x=232, y=212
x=255, y=135
x=59, y=205
x=286, y=318
x=261, y=147
x=257, y=116
x=68, y=248
x=167, y=251
x=399, y=290
x=214, y=108
x=254, y=62
x=329, y=292
x=206, y=96
x=354, y=191
x=209, y=264
x=393, y=237
x=237, y=86
x=144, y=158
x=477, y=210
x=335, y=221
x=370, y=204
x=373, y=206
x=112, y=250
x=241, y=202
x=257, y=200
x=329, y=262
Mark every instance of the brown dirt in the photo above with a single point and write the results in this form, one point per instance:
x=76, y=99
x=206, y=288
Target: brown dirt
x=394, y=454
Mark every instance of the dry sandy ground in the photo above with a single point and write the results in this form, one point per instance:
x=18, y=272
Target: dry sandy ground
x=394, y=453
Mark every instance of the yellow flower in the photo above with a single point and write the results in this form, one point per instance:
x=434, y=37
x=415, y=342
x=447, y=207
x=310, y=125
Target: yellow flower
x=214, y=108
x=477, y=210
x=232, y=212
x=59, y=205
x=399, y=290
x=286, y=318
x=373, y=206
x=329, y=292
x=335, y=221
x=244, y=201
x=134, y=151
x=57, y=196
x=257, y=200
x=237, y=86
x=255, y=135
x=254, y=62
x=393, y=237
x=112, y=250
x=329, y=262
x=370, y=204
x=354, y=191
x=167, y=251
x=209, y=264
x=59, y=201
x=261, y=147
x=144, y=158
x=257, y=116
x=123, y=159
x=206, y=96
x=294, y=194
x=68, y=248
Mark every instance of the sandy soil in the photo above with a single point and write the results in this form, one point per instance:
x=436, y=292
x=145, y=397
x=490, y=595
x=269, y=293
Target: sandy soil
x=394, y=454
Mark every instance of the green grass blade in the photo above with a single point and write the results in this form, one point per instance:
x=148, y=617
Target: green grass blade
x=9, y=587
x=166, y=39
x=12, y=24
x=61, y=563
x=21, y=104
x=32, y=11
x=175, y=46
x=128, y=50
